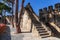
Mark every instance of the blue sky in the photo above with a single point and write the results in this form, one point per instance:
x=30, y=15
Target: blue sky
x=38, y=4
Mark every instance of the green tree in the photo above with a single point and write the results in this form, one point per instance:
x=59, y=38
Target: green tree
x=16, y=13
x=17, y=20
x=12, y=4
x=5, y=8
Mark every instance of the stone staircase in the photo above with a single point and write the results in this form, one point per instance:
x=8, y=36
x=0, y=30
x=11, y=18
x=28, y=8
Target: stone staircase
x=43, y=32
x=58, y=24
x=55, y=30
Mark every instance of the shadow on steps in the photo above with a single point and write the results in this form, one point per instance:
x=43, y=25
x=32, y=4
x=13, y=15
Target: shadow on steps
x=55, y=33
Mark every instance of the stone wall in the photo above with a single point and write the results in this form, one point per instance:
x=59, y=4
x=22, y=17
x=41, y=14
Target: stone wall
x=34, y=31
x=49, y=14
x=25, y=22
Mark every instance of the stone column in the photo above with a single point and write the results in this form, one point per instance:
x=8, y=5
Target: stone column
x=51, y=13
x=40, y=14
x=45, y=14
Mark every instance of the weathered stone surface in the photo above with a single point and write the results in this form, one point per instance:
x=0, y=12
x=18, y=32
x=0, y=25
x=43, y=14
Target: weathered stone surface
x=25, y=23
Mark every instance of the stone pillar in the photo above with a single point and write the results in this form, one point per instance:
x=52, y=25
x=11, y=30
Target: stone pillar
x=45, y=14
x=51, y=13
x=40, y=14
x=55, y=16
x=50, y=8
x=57, y=6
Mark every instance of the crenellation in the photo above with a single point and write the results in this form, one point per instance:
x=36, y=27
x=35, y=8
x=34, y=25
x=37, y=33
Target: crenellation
x=40, y=14
x=45, y=9
x=40, y=10
x=49, y=12
x=50, y=9
x=57, y=6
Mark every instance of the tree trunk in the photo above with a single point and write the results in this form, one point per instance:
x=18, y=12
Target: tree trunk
x=16, y=18
x=12, y=13
x=21, y=11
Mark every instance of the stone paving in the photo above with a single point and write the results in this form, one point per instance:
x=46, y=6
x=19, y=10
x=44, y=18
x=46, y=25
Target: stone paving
x=22, y=36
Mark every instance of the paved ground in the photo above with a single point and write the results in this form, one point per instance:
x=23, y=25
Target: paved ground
x=22, y=36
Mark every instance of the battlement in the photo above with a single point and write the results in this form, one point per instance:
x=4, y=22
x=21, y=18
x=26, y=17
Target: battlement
x=51, y=9
x=49, y=12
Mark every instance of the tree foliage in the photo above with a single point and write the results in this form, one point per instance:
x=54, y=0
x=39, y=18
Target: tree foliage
x=9, y=1
x=4, y=7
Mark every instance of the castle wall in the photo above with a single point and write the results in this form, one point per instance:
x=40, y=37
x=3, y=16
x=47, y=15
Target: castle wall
x=25, y=23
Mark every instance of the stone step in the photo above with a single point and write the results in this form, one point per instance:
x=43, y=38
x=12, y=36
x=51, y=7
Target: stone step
x=45, y=36
x=42, y=31
x=37, y=24
x=39, y=27
x=42, y=34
